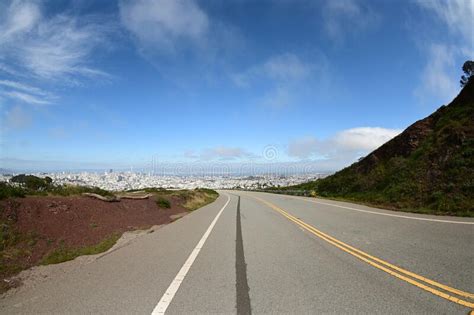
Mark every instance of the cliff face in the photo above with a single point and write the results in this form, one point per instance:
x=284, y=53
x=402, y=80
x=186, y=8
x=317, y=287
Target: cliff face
x=429, y=167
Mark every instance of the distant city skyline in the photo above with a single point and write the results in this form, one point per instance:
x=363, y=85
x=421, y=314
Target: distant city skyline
x=203, y=84
x=126, y=180
x=216, y=168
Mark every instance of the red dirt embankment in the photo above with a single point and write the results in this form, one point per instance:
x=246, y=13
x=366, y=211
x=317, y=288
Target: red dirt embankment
x=43, y=224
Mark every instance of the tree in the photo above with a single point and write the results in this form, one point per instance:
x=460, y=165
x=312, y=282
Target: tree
x=32, y=182
x=468, y=69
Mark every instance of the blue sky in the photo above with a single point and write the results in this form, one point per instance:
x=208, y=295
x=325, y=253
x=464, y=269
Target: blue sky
x=112, y=84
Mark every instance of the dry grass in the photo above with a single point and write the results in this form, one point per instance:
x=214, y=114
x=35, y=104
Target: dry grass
x=199, y=198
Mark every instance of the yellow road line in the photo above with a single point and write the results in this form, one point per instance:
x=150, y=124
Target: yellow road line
x=411, y=274
x=360, y=254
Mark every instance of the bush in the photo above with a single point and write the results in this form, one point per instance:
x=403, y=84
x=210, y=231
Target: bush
x=32, y=182
x=32, y=185
x=77, y=190
x=163, y=202
x=7, y=191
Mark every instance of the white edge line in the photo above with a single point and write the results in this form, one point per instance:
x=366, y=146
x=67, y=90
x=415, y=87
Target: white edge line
x=166, y=299
x=386, y=214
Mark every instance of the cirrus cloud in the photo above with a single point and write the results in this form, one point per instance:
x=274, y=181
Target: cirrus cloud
x=25, y=93
x=39, y=50
x=53, y=48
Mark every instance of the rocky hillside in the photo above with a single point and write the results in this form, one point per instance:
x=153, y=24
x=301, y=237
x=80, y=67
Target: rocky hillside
x=429, y=167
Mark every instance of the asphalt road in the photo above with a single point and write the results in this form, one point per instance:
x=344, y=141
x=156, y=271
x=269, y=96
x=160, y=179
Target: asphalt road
x=263, y=253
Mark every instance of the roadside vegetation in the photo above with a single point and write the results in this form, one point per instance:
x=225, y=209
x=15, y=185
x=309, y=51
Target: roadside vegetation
x=190, y=199
x=23, y=185
x=198, y=198
x=163, y=202
x=64, y=253
x=15, y=247
x=27, y=202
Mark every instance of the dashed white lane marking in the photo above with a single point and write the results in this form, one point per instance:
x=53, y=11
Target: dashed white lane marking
x=386, y=214
x=166, y=299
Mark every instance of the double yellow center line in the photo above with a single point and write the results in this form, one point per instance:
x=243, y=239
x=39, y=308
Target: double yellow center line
x=421, y=282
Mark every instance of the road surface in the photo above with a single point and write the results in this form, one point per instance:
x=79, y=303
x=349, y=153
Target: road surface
x=262, y=253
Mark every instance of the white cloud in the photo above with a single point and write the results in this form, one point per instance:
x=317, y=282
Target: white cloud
x=23, y=87
x=25, y=93
x=278, y=97
x=280, y=77
x=164, y=24
x=9, y=70
x=54, y=48
x=218, y=153
x=343, y=17
x=441, y=72
x=226, y=152
x=21, y=16
x=61, y=49
x=284, y=68
x=363, y=138
x=438, y=78
x=350, y=142
x=27, y=98
x=304, y=148
x=181, y=40
x=458, y=15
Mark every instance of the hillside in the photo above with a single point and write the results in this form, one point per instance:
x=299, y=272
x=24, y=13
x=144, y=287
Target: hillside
x=43, y=223
x=428, y=168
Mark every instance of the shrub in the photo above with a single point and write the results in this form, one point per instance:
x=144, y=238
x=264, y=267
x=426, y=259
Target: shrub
x=7, y=191
x=163, y=202
x=32, y=182
x=67, y=190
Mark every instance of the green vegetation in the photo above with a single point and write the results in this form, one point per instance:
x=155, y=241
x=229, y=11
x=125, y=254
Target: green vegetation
x=22, y=185
x=150, y=190
x=195, y=199
x=17, y=248
x=63, y=253
x=32, y=182
x=9, y=236
x=429, y=168
x=163, y=202
x=468, y=69
x=7, y=191
x=192, y=199
x=14, y=247
x=69, y=190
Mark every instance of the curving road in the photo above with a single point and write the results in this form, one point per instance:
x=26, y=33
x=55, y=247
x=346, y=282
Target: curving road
x=263, y=253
